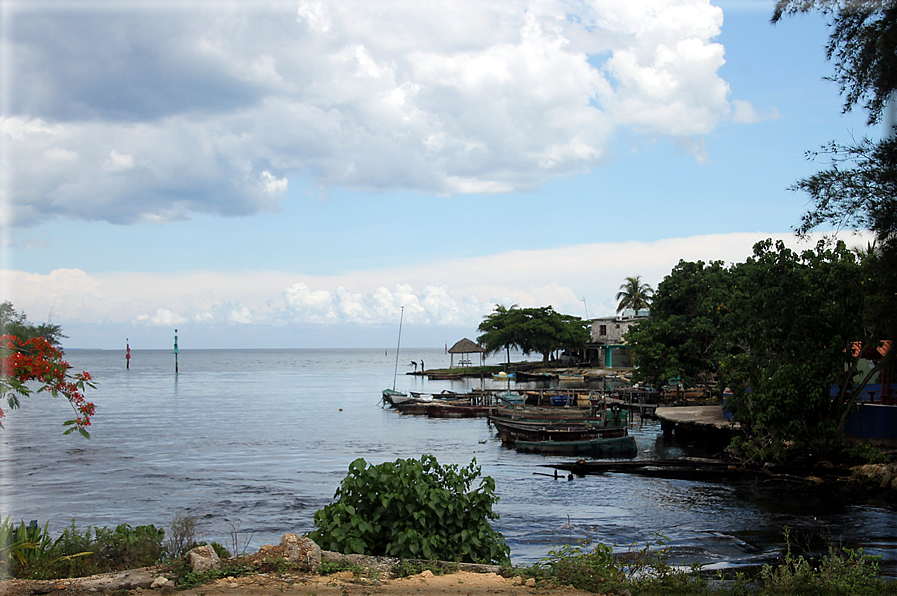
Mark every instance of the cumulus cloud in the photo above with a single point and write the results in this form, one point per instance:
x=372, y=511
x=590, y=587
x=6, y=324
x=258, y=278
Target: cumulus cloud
x=468, y=289
x=128, y=112
x=162, y=317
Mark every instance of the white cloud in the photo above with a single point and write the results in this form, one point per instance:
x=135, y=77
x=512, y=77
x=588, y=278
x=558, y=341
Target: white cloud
x=161, y=318
x=467, y=289
x=744, y=112
x=57, y=154
x=118, y=161
x=212, y=107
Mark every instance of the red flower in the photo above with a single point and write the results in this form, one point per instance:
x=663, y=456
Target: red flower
x=36, y=359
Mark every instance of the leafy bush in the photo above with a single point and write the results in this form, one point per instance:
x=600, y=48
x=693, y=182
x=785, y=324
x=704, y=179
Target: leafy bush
x=870, y=453
x=33, y=554
x=595, y=568
x=413, y=509
x=583, y=567
x=842, y=571
x=22, y=546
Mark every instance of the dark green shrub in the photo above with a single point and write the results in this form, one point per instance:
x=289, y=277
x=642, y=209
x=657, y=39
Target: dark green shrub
x=593, y=569
x=841, y=572
x=74, y=554
x=220, y=551
x=870, y=453
x=22, y=547
x=413, y=509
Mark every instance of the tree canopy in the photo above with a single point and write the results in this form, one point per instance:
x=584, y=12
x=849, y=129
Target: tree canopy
x=541, y=330
x=780, y=329
x=15, y=323
x=862, y=45
x=859, y=188
x=29, y=354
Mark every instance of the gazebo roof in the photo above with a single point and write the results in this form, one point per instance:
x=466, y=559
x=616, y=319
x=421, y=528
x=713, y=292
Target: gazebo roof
x=465, y=346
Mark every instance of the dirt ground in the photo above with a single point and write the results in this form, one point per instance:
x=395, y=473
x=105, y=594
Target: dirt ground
x=338, y=584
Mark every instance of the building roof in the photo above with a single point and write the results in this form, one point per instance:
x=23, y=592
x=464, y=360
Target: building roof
x=465, y=346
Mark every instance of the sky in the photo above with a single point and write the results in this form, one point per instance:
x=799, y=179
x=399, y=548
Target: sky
x=301, y=174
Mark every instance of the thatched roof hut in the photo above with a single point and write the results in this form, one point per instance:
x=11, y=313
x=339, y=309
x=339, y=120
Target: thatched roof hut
x=465, y=347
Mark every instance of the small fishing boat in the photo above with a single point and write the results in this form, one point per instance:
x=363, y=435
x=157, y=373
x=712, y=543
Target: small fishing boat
x=570, y=378
x=503, y=376
x=511, y=398
x=512, y=431
x=455, y=410
x=444, y=394
x=392, y=397
x=624, y=446
x=540, y=413
x=525, y=377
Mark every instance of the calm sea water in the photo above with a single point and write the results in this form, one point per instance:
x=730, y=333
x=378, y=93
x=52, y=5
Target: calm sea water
x=259, y=440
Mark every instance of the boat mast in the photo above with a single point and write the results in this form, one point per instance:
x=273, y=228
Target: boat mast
x=398, y=345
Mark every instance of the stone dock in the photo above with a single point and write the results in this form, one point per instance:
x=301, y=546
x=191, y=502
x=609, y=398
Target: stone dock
x=697, y=420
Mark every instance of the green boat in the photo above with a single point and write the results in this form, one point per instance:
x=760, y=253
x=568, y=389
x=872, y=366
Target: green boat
x=599, y=447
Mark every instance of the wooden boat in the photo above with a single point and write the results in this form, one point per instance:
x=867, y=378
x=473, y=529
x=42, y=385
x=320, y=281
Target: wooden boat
x=599, y=447
x=525, y=377
x=512, y=398
x=391, y=396
x=557, y=430
x=413, y=407
x=450, y=410
x=441, y=409
x=503, y=376
x=444, y=394
x=531, y=412
x=570, y=378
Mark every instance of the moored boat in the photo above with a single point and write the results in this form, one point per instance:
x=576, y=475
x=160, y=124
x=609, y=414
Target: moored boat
x=391, y=396
x=512, y=431
x=624, y=446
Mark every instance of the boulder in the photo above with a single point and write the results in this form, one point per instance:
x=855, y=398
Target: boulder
x=203, y=558
x=301, y=549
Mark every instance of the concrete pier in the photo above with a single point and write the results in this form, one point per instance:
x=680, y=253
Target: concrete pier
x=696, y=420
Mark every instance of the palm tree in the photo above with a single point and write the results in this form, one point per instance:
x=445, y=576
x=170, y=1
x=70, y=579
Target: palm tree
x=634, y=294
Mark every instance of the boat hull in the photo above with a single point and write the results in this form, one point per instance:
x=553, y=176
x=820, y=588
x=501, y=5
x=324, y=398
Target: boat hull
x=602, y=447
x=553, y=430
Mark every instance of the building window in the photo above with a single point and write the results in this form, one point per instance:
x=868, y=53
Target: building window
x=602, y=330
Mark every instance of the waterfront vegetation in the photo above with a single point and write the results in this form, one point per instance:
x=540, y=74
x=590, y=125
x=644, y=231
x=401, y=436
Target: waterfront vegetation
x=413, y=509
x=781, y=330
x=30, y=552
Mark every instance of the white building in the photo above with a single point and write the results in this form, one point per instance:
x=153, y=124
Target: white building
x=607, y=338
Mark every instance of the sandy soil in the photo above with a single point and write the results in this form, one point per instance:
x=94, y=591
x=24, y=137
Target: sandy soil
x=345, y=583
x=339, y=584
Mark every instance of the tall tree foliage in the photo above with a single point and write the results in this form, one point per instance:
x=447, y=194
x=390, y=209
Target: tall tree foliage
x=15, y=323
x=499, y=331
x=859, y=188
x=780, y=329
x=680, y=339
x=541, y=330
